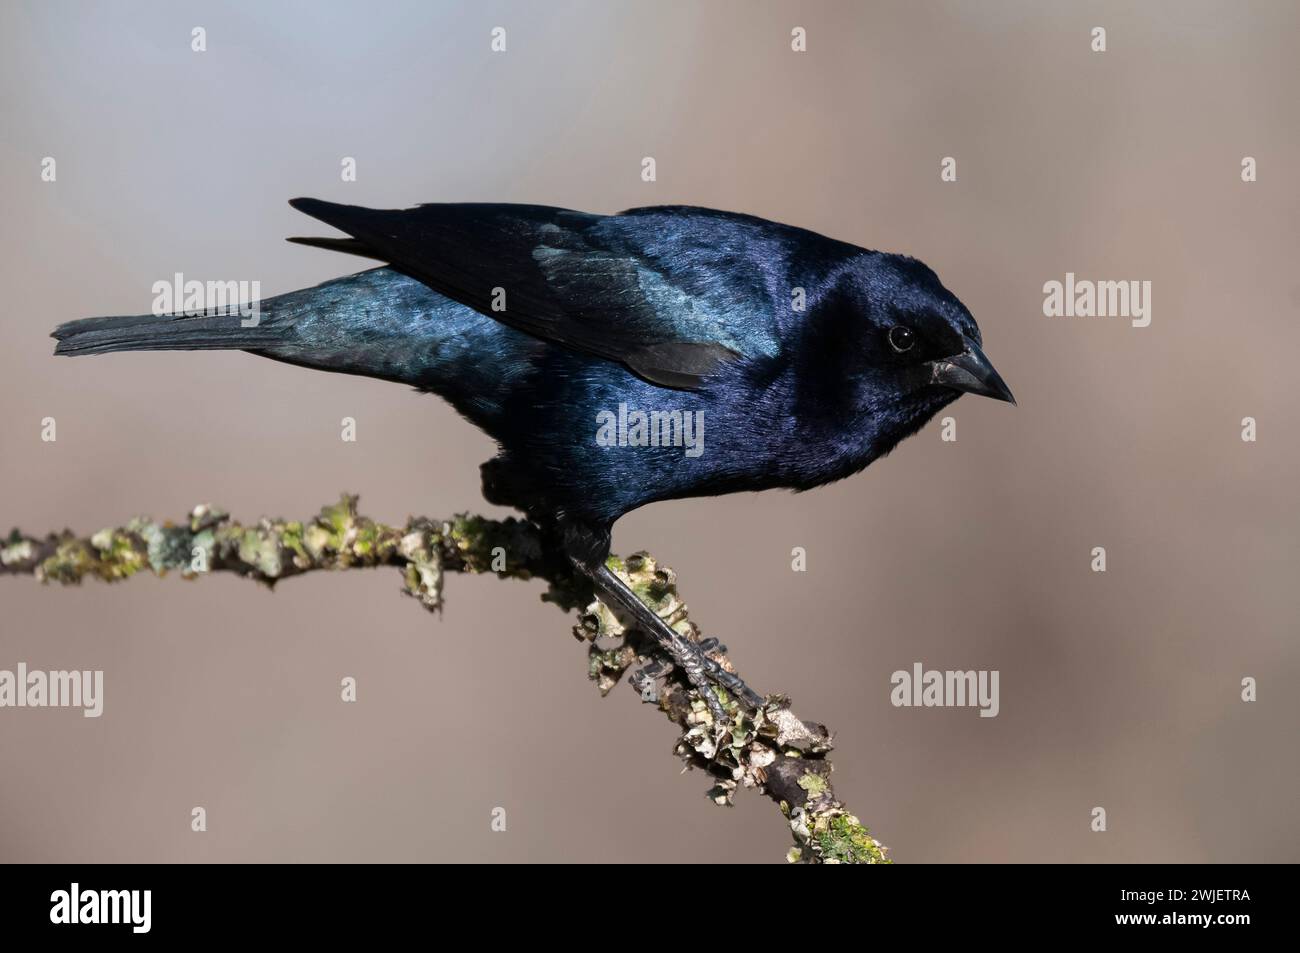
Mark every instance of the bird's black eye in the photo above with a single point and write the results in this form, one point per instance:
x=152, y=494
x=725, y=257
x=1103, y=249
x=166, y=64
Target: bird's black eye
x=901, y=339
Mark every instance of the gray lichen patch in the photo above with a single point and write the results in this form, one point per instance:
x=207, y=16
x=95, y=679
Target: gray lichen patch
x=422, y=577
x=166, y=547
x=17, y=551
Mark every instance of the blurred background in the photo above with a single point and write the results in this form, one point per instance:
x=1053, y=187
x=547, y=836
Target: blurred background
x=1119, y=689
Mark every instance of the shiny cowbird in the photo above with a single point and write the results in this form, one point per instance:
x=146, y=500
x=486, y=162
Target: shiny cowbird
x=617, y=360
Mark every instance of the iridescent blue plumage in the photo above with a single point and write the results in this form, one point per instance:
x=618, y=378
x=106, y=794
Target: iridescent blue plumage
x=618, y=360
x=535, y=322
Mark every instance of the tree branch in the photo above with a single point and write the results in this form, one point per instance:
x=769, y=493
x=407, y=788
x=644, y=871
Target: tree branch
x=770, y=750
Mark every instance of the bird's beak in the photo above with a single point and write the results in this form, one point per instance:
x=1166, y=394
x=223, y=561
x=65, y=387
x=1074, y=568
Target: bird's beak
x=971, y=372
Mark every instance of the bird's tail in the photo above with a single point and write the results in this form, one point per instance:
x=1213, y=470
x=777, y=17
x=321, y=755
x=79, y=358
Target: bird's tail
x=169, y=332
x=379, y=323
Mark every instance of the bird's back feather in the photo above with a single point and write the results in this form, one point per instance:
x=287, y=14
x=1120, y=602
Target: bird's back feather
x=635, y=288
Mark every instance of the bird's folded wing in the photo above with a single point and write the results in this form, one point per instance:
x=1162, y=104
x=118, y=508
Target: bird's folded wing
x=673, y=294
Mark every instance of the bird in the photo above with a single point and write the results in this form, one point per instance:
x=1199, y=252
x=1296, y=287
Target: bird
x=659, y=353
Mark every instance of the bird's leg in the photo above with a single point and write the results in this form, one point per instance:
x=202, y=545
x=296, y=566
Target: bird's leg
x=699, y=669
x=684, y=653
x=587, y=548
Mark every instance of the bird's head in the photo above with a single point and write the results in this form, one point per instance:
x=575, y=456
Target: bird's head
x=901, y=345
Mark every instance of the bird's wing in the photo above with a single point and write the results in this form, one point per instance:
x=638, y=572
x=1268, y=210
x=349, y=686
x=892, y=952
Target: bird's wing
x=672, y=293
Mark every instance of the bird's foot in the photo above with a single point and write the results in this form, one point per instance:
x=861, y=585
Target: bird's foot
x=702, y=671
x=587, y=548
x=731, y=681
x=693, y=658
x=695, y=665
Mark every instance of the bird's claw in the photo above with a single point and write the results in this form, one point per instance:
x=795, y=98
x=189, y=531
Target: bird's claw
x=703, y=673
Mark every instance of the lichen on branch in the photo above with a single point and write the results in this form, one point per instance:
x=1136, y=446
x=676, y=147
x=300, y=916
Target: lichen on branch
x=770, y=749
